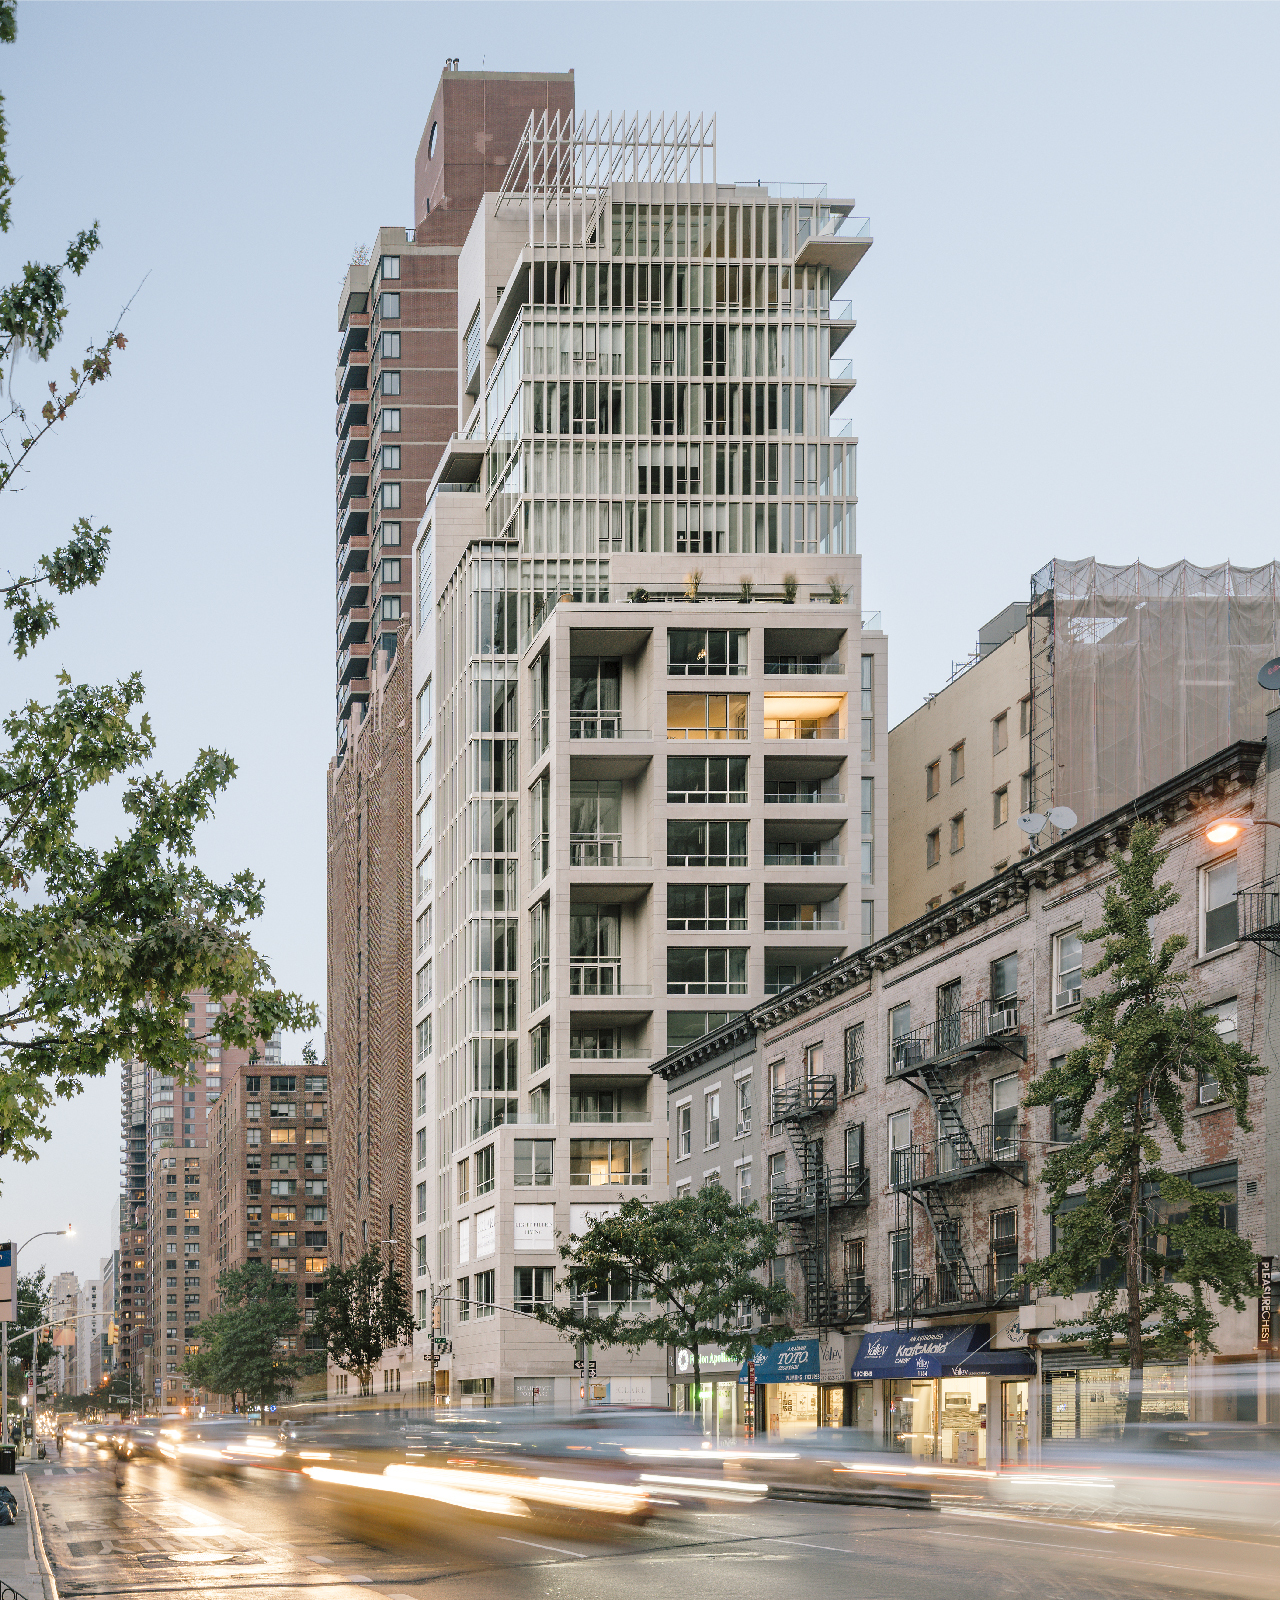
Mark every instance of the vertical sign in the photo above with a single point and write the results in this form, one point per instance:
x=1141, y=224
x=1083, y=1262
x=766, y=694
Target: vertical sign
x=751, y=1400
x=1266, y=1265
x=8, y=1284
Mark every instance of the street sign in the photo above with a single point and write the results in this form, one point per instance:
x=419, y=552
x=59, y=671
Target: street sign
x=577, y=1368
x=8, y=1284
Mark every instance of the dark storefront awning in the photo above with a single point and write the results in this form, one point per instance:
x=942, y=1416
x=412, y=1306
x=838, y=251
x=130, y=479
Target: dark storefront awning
x=953, y=1351
x=787, y=1362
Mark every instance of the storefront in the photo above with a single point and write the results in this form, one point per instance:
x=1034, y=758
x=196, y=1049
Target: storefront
x=801, y=1385
x=723, y=1396
x=940, y=1389
x=1084, y=1396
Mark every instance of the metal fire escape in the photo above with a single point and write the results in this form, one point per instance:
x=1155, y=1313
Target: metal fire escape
x=925, y=1174
x=806, y=1206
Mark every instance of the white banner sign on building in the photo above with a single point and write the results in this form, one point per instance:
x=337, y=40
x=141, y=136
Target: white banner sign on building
x=486, y=1234
x=464, y=1242
x=581, y=1217
x=535, y=1228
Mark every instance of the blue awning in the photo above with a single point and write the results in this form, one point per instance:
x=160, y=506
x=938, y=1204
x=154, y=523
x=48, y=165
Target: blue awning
x=953, y=1351
x=787, y=1362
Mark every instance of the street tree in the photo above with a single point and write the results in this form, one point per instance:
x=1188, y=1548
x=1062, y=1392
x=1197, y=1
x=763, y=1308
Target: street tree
x=33, y=1315
x=98, y=948
x=241, y=1351
x=1154, y=1243
x=361, y=1310
x=691, y=1272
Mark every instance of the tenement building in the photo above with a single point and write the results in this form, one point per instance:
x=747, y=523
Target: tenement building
x=648, y=723
x=879, y=1110
x=1109, y=681
x=396, y=392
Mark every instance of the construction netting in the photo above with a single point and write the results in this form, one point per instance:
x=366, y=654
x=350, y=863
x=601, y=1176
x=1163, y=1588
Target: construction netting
x=1138, y=672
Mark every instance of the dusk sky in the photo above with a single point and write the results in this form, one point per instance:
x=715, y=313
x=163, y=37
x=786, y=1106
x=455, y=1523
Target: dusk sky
x=1066, y=345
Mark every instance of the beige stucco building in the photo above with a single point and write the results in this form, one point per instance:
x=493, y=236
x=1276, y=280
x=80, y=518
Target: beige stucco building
x=960, y=775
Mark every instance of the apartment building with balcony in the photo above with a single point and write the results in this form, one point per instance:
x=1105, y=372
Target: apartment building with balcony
x=878, y=1111
x=649, y=738
x=397, y=381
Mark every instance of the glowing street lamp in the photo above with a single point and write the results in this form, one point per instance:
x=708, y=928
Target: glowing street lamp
x=1228, y=828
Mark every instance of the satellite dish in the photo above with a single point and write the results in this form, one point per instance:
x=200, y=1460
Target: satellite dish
x=1269, y=676
x=1031, y=822
x=1062, y=817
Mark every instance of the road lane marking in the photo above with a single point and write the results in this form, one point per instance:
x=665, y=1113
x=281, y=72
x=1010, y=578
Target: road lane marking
x=325, y=1561
x=562, y=1550
x=782, y=1539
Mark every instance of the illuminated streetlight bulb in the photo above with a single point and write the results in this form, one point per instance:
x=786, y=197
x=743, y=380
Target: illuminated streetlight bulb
x=1226, y=828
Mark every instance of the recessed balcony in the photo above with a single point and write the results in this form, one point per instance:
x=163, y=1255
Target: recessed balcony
x=355, y=375
x=794, y=717
x=353, y=519
x=355, y=336
x=353, y=627
x=353, y=663
x=353, y=591
x=353, y=412
x=355, y=447
x=355, y=483
x=353, y=553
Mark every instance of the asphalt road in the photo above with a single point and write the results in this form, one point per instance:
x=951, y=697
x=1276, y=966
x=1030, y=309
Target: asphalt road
x=165, y=1533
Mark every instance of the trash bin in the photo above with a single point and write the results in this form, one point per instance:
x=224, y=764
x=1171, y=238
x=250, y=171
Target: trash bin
x=8, y=1460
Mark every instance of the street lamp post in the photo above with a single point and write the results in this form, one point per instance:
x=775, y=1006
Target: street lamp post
x=4, y=1336
x=1226, y=828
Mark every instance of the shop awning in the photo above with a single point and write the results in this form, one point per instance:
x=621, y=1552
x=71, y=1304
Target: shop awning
x=953, y=1351
x=787, y=1362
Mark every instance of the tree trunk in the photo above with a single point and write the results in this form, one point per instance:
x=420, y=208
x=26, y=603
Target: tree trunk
x=697, y=1387
x=1133, y=1287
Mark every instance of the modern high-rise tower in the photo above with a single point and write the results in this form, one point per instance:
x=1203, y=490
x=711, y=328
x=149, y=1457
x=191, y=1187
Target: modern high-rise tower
x=647, y=721
x=397, y=404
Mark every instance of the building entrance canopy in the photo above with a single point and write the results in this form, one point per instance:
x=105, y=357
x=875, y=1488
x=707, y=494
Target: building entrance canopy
x=951, y=1352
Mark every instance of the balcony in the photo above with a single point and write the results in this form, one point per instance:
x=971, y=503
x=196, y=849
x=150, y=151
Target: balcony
x=353, y=412
x=811, y=1096
x=354, y=484
x=801, y=854
x=841, y=321
x=795, y=666
x=355, y=375
x=791, y=716
x=601, y=978
x=353, y=519
x=603, y=725
x=802, y=923
x=353, y=663
x=959, y=1155
x=355, y=447
x=843, y=382
x=353, y=554
x=801, y=792
x=958, y=1037
x=602, y=850
x=354, y=591
x=353, y=627
x=355, y=336
x=840, y=246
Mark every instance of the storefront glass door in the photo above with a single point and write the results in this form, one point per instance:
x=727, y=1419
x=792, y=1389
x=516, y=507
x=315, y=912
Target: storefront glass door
x=909, y=1416
x=1014, y=1441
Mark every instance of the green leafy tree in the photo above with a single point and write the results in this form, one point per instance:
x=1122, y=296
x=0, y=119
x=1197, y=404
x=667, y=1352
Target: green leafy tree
x=1154, y=1242
x=240, y=1346
x=705, y=1258
x=360, y=1311
x=98, y=948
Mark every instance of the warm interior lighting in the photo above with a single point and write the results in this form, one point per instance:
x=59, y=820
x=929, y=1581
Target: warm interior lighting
x=1225, y=829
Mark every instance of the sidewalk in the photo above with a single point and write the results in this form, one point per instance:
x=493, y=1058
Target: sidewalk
x=19, y=1567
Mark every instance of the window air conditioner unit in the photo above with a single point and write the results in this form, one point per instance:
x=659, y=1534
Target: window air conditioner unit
x=1208, y=1094
x=912, y=1053
x=1005, y=1020
x=1068, y=998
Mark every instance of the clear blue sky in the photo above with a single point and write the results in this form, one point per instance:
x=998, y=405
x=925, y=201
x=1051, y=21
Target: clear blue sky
x=1067, y=335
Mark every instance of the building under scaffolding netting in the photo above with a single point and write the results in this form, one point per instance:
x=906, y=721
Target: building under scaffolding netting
x=1138, y=672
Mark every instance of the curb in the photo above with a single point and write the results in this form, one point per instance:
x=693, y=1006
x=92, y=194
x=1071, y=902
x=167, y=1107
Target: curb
x=35, y=1538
